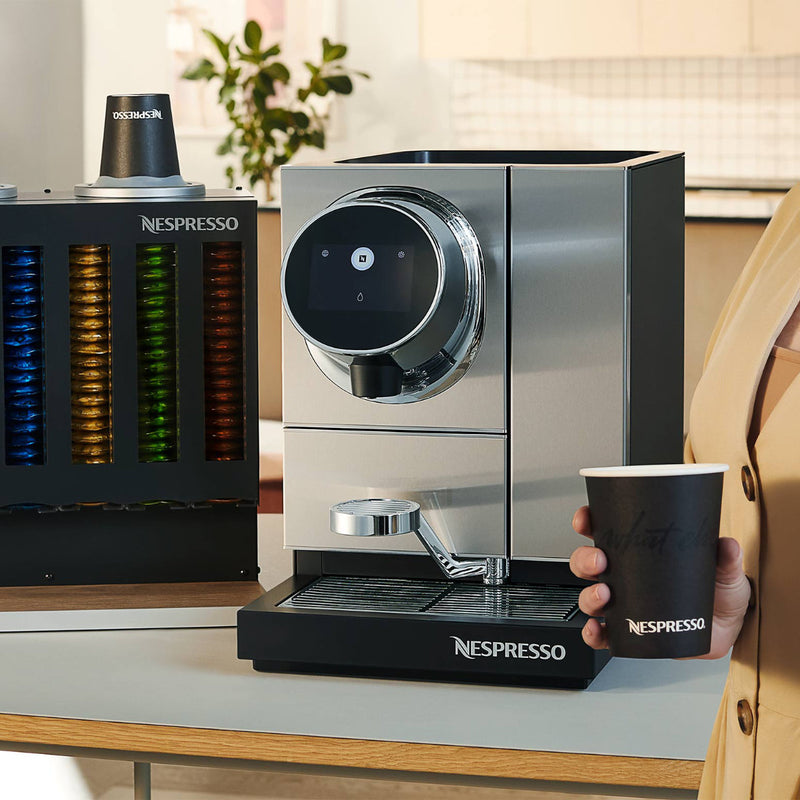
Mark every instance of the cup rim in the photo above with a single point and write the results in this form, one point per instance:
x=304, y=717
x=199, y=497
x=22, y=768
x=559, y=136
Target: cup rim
x=652, y=470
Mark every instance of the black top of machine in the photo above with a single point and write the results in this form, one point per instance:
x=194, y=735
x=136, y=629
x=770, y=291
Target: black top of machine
x=528, y=157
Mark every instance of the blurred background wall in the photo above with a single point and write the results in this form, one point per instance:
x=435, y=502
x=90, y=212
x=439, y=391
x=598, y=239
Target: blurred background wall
x=439, y=79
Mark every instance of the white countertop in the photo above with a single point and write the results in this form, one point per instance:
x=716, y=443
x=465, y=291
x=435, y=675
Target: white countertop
x=192, y=678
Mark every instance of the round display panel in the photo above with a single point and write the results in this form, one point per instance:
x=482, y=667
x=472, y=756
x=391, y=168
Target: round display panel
x=361, y=278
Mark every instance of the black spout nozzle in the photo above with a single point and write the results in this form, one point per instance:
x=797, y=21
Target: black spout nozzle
x=375, y=376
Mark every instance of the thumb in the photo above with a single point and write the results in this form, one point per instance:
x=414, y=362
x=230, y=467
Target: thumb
x=729, y=561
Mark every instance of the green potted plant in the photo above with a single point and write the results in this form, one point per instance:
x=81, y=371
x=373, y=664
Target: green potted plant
x=271, y=118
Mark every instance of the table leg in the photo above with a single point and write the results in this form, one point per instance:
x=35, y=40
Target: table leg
x=141, y=780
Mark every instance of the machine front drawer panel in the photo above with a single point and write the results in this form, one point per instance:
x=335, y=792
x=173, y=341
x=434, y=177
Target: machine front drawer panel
x=457, y=479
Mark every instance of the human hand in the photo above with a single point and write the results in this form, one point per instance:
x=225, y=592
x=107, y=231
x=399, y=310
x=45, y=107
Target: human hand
x=731, y=592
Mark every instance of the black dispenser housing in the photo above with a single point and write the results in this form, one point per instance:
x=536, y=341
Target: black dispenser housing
x=129, y=398
x=129, y=521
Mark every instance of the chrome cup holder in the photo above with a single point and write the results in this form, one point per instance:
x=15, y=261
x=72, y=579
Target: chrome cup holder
x=390, y=517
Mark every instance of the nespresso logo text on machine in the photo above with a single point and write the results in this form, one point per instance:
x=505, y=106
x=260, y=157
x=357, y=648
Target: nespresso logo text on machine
x=175, y=224
x=152, y=113
x=473, y=648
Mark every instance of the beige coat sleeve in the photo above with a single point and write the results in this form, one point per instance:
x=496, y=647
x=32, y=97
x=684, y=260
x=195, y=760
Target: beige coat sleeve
x=688, y=453
x=740, y=289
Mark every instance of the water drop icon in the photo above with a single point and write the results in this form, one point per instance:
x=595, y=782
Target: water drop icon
x=360, y=297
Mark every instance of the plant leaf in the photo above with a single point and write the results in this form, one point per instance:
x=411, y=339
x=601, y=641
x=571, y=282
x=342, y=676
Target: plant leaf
x=340, y=84
x=223, y=47
x=334, y=52
x=272, y=51
x=252, y=35
x=226, y=146
x=251, y=58
x=320, y=86
x=260, y=99
x=263, y=82
x=202, y=69
x=314, y=70
x=278, y=71
x=300, y=120
x=274, y=118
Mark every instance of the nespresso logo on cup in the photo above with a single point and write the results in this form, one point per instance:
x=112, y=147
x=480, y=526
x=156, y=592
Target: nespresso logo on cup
x=175, y=224
x=152, y=113
x=474, y=648
x=643, y=627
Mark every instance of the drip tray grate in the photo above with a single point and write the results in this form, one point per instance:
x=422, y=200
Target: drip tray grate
x=368, y=594
x=406, y=596
x=556, y=603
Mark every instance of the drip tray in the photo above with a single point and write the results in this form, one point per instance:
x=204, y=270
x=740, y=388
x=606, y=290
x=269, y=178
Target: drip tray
x=406, y=596
x=522, y=634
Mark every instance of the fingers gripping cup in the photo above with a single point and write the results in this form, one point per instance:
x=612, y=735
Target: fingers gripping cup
x=658, y=526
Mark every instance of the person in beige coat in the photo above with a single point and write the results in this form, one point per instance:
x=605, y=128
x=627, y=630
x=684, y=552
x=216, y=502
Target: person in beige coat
x=746, y=413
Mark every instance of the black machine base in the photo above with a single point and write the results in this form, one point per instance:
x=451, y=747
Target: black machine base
x=435, y=630
x=161, y=543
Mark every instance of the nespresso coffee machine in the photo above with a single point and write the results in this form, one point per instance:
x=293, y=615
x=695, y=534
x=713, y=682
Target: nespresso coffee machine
x=462, y=332
x=129, y=453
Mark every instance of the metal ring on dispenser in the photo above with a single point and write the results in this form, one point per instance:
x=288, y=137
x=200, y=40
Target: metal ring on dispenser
x=430, y=362
x=375, y=517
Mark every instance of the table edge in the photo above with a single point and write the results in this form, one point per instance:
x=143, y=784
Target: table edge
x=355, y=753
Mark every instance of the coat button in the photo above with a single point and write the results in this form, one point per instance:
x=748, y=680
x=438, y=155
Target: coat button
x=745, y=716
x=748, y=483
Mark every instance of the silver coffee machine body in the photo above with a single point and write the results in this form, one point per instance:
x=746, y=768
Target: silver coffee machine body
x=462, y=332
x=493, y=458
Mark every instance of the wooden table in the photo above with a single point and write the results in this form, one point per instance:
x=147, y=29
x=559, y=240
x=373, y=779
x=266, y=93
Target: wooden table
x=182, y=696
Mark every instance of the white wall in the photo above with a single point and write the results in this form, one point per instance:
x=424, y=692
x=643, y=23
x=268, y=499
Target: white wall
x=125, y=52
x=406, y=104
x=41, y=92
x=737, y=119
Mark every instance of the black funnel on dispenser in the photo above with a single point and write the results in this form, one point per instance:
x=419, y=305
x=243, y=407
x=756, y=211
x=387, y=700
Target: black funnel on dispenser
x=139, y=137
x=140, y=157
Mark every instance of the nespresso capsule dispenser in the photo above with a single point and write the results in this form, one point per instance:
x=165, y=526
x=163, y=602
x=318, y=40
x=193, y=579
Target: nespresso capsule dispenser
x=130, y=451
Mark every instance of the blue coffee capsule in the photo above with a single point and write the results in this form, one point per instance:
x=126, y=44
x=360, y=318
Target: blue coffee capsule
x=23, y=355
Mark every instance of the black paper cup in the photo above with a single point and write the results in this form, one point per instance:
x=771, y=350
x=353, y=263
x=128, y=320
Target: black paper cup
x=658, y=526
